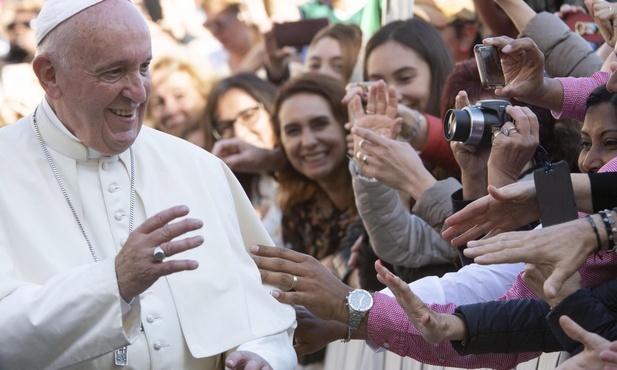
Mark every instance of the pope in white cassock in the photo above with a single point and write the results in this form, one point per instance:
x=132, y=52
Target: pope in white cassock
x=121, y=245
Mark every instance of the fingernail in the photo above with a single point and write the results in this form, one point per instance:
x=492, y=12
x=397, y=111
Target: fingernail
x=380, y=263
x=489, y=39
x=254, y=248
x=275, y=293
x=506, y=48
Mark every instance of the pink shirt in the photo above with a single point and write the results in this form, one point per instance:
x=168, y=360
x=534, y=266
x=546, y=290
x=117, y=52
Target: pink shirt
x=390, y=328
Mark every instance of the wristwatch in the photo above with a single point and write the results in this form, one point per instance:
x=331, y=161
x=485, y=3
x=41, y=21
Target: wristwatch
x=359, y=302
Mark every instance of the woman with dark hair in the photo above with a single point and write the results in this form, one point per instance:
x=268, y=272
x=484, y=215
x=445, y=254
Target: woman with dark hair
x=411, y=56
x=334, y=51
x=315, y=194
x=238, y=111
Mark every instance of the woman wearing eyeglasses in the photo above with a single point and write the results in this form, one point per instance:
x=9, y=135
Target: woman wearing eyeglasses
x=238, y=111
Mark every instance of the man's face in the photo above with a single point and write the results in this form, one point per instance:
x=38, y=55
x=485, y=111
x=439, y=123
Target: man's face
x=105, y=89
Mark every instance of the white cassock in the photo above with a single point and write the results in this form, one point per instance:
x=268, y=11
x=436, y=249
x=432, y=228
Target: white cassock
x=59, y=308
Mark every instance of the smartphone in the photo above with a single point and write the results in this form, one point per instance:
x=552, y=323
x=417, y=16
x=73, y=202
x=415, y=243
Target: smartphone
x=489, y=66
x=297, y=33
x=585, y=26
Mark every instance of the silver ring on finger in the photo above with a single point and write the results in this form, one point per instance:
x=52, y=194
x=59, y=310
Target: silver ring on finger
x=158, y=254
x=364, y=158
x=294, y=282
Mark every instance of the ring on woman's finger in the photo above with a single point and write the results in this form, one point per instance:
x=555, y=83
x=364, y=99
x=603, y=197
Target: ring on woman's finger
x=364, y=158
x=369, y=112
x=496, y=133
x=294, y=282
x=508, y=130
x=158, y=254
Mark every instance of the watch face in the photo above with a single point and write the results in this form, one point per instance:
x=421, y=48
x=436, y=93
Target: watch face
x=360, y=300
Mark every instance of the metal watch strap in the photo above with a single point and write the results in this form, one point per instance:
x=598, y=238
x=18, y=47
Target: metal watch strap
x=355, y=318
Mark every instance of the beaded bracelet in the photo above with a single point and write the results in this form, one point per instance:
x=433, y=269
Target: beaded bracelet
x=595, y=230
x=609, y=224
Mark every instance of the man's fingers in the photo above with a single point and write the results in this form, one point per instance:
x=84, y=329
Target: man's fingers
x=169, y=231
x=160, y=219
x=173, y=266
x=179, y=246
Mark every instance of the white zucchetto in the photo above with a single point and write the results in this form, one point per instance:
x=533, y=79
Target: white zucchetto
x=55, y=12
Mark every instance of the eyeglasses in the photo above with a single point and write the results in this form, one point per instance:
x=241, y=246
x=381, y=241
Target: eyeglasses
x=217, y=25
x=29, y=24
x=246, y=117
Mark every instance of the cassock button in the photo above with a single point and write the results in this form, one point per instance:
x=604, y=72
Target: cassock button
x=150, y=319
x=119, y=216
x=157, y=345
x=105, y=166
x=113, y=188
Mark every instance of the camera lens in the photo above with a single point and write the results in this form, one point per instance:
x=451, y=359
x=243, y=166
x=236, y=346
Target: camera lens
x=457, y=125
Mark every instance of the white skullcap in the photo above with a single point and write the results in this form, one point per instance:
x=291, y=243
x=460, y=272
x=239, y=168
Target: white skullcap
x=55, y=12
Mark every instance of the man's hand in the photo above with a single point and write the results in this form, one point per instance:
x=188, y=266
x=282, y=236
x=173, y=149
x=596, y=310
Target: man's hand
x=245, y=360
x=136, y=268
x=317, y=288
x=504, y=209
x=313, y=333
x=561, y=248
x=433, y=326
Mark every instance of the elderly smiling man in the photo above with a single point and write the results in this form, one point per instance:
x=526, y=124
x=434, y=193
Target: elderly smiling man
x=99, y=267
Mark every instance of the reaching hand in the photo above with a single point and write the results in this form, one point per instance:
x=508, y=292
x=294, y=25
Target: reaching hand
x=136, y=268
x=535, y=276
x=313, y=333
x=563, y=248
x=504, y=209
x=243, y=157
x=596, y=348
x=245, y=360
x=316, y=288
x=434, y=327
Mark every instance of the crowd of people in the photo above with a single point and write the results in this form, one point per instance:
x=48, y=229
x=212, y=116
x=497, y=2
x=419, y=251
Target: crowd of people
x=188, y=188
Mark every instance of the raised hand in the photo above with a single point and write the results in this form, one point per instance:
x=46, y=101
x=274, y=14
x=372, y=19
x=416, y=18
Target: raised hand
x=136, y=268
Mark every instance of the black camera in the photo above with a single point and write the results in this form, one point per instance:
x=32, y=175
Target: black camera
x=474, y=125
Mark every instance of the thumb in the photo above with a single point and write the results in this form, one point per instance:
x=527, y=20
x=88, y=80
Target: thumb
x=553, y=284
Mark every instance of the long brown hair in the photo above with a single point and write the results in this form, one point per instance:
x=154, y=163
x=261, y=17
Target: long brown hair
x=294, y=187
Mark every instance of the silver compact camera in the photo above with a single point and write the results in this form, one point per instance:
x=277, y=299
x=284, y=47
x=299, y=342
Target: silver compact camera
x=475, y=125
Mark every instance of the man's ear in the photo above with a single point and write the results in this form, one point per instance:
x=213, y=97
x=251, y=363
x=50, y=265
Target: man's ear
x=46, y=72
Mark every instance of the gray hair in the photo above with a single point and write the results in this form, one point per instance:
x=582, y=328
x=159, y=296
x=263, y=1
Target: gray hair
x=57, y=45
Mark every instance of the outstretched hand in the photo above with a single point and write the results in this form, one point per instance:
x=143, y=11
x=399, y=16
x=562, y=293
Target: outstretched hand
x=433, y=326
x=562, y=248
x=241, y=156
x=316, y=288
x=504, y=209
x=597, y=349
